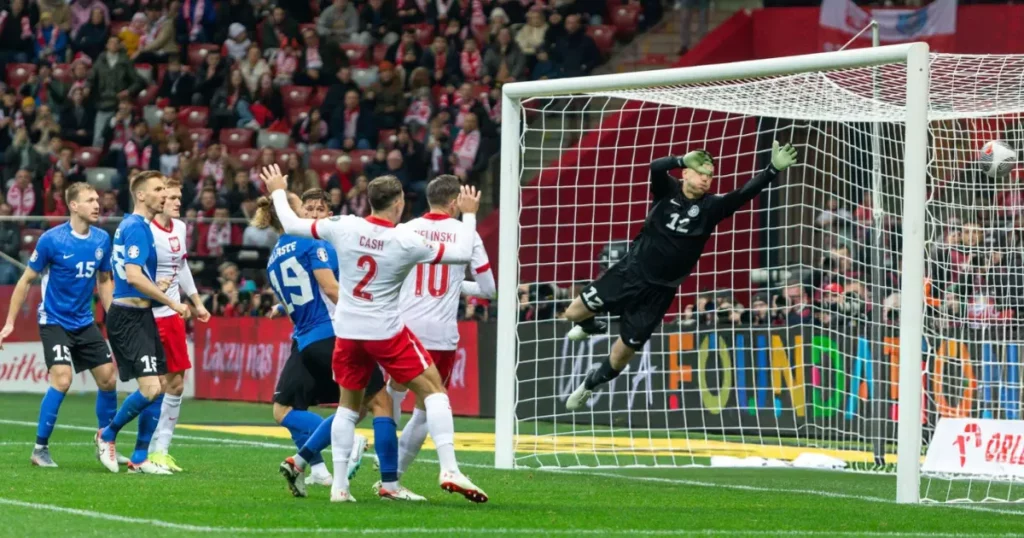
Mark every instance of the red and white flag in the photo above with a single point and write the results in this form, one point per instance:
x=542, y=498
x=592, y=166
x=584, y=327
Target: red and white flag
x=935, y=24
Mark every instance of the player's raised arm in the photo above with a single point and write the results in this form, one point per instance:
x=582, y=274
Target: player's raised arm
x=291, y=223
x=461, y=251
x=662, y=184
x=782, y=158
x=484, y=285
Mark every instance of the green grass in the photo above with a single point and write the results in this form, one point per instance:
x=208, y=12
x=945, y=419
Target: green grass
x=233, y=489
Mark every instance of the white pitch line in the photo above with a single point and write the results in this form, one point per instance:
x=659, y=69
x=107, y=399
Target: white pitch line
x=466, y=530
x=217, y=440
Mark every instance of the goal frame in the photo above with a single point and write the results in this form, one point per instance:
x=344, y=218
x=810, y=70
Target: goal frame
x=916, y=58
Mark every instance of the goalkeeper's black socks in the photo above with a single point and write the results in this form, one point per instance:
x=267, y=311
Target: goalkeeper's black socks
x=592, y=325
x=602, y=375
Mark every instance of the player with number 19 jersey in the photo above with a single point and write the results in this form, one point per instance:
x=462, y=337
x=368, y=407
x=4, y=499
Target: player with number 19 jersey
x=290, y=270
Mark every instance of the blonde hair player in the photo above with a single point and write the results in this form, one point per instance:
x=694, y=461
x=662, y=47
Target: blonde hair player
x=169, y=234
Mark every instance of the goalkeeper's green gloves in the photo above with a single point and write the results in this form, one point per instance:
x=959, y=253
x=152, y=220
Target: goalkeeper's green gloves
x=699, y=161
x=783, y=157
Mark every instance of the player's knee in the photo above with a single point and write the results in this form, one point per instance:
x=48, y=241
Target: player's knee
x=281, y=411
x=577, y=311
x=106, y=377
x=427, y=383
x=175, y=385
x=60, y=380
x=380, y=405
x=150, y=390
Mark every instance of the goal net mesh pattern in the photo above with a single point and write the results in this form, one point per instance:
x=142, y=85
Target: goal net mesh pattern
x=782, y=347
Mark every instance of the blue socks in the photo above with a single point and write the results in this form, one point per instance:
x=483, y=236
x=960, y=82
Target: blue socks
x=48, y=415
x=132, y=406
x=106, y=407
x=301, y=425
x=385, y=442
x=320, y=440
x=148, y=419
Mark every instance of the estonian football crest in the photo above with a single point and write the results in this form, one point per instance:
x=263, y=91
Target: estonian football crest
x=35, y=256
x=321, y=254
x=174, y=243
x=133, y=252
x=99, y=254
x=693, y=212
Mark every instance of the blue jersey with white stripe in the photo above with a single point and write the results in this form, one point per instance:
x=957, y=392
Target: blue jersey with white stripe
x=290, y=270
x=133, y=244
x=69, y=263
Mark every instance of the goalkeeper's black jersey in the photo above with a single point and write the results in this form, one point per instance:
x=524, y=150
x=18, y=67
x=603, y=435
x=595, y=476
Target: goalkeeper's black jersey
x=676, y=229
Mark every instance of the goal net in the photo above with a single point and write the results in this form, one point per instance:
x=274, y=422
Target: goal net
x=886, y=256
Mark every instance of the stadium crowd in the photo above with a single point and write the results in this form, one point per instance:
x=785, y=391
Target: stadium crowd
x=339, y=91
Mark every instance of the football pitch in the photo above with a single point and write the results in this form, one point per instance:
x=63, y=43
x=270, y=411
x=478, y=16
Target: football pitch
x=230, y=487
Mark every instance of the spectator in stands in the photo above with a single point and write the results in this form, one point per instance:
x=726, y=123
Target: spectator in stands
x=760, y=316
x=108, y=205
x=410, y=11
x=51, y=43
x=21, y=195
x=83, y=12
x=252, y=67
x=123, y=10
x=53, y=198
x=406, y=53
x=413, y=152
x=378, y=166
x=504, y=62
x=341, y=85
x=268, y=105
x=691, y=8
x=118, y=131
x=158, y=45
x=336, y=200
x=212, y=75
x=300, y=179
x=259, y=237
x=77, y=120
x=832, y=215
x=207, y=203
x=218, y=234
x=310, y=132
x=113, y=78
x=242, y=189
x=16, y=45
x=10, y=246
x=531, y=35
x=339, y=23
x=278, y=29
x=438, y=149
x=471, y=62
x=178, y=85
x=342, y=177
x=498, y=20
x=60, y=11
x=863, y=213
x=90, y=37
x=237, y=44
x=314, y=60
x=230, y=104
x=196, y=21
x=357, y=201
x=80, y=68
x=442, y=61
x=44, y=128
x=67, y=165
x=216, y=165
x=26, y=117
x=354, y=126
x=544, y=68
x=170, y=157
x=466, y=150
x=286, y=62
x=47, y=90
x=389, y=98
x=169, y=127
x=132, y=35
x=22, y=156
x=240, y=11
x=266, y=158
x=477, y=309
x=575, y=53
x=140, y=151
x=378, y=24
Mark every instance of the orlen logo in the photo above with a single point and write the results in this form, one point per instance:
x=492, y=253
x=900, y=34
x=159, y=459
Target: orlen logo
x=972, y=433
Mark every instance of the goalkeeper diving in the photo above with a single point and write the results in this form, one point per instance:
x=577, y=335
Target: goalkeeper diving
x=641, y=287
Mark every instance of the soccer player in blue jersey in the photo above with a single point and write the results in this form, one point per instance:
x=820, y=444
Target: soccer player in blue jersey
x=132, y=327
x=75, y=256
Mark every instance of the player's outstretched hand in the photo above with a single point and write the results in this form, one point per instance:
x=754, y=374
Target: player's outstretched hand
x=202, y=314
x=469, y=199
x=272, y=176
x=182, y=310
x=4, y=333
x=783, y=157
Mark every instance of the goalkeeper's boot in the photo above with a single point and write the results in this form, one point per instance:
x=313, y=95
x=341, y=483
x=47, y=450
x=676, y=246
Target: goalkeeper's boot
x=41, y=457
x=166, y=461
x=456, y=482
x=586, y=328
x=400, y=494
x=340, y=496
x=293, y=474
x=319, y=476
x=579, y=397
x=106, y=453
x=355, y=458
x=147, y=467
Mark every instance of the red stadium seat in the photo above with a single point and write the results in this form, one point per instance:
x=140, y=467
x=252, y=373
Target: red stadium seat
x=387, y=137
x=604, y=37
x=147, y=96
x=626, y=19
x=29, y=238
x=380, y=53
x=296, y=113
x=194, y=116
x=246, y=157
x=356, y=53
x=318, y=96
x=294, y=96
x=361, y=158
x=236, y=138
x=62, y=72
x=17, y=74
x=197, y=53
x=89, y=157
x=283, y=154
x=323, y=162
x=200, y=136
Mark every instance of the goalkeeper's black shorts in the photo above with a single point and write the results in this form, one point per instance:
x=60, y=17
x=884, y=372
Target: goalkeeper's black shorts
x=640, y=305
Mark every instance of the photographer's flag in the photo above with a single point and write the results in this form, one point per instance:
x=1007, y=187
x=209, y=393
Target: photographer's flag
x=840, y=20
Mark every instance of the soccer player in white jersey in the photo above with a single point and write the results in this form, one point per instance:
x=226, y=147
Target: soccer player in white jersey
x=374, y=258
x=430, y=302
x=172, y=268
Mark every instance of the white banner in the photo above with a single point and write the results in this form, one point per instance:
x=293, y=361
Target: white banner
x=23, y=369
x=840, y=20
x=987, y=447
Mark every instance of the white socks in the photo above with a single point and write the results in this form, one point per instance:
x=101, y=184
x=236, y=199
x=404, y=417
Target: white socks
x=442, y=429
x=343, y=432
x=165, y=426
x=411, y=441
x=396, y=401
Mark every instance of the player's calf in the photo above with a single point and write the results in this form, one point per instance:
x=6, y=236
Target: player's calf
x=609, y=369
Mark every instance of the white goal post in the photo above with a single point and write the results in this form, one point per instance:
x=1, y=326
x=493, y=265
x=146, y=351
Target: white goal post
x=668, y=87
